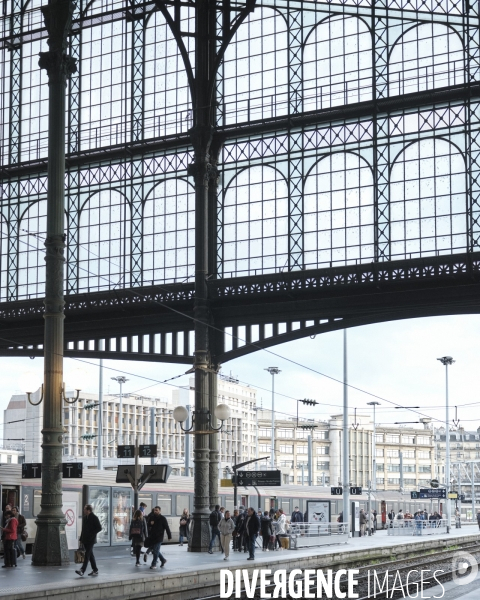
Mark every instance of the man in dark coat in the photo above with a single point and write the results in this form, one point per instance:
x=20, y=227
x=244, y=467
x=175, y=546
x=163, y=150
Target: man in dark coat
x=266, y=529
x=90, y=527
x=157, y=526
x=251, y=529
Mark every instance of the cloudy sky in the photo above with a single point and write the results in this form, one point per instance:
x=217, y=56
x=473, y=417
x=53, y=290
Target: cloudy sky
x=395, y=361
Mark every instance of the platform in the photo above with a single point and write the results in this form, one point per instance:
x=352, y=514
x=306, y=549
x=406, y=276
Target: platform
x=191, y=575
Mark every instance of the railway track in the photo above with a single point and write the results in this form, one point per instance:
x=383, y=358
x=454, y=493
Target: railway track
x=394, y=578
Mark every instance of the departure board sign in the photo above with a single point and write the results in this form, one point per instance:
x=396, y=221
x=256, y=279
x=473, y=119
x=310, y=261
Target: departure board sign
x=429, y=494
x=31, y=471
x=262, y=478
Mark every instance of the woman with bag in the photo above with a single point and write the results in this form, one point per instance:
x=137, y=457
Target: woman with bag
x=184, y=526
x=138, y=534
x=9, y=538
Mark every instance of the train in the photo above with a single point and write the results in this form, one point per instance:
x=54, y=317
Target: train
x=113, y=502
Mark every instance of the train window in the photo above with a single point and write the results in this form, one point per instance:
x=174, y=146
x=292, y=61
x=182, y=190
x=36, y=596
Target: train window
x=182, y=502
x=146, y=499
x=286, y=506
x=165, y=503
x=37, y=497
x=229, y=504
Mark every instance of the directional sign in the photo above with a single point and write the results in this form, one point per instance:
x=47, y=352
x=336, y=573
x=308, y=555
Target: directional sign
x=356, y=491
x=336, y=491
x=262, y=478
x=72, y=470
x=31, y=471
x=452, y=496
x=414, y=495
x=147, y=450
x=126, y=451
x=429, y=494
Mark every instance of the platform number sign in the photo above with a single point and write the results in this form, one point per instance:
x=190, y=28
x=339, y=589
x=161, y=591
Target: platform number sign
x=356, y=491
x=126, y=451
x=147, y=450
x=336, y=491
x=31, y=471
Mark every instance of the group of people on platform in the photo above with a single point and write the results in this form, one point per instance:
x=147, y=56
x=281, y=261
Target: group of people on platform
x=13, y=534
x=242, y=528
x=145, y=531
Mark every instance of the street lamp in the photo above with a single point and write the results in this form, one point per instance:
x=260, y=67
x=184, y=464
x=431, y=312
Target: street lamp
x=222, y=413
x=273, y=371
x=446, y=361
x=374, y=450
x=121, y=380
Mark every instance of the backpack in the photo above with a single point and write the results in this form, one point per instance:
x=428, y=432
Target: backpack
x=214, y=518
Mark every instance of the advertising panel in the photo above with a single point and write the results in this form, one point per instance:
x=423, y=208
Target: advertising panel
x=318, y=511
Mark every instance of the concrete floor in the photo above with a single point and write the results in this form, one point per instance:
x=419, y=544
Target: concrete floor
x=116, y=564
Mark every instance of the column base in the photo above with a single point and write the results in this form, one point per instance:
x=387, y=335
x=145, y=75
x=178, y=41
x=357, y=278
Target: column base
x=200, y=533
x=51, y=548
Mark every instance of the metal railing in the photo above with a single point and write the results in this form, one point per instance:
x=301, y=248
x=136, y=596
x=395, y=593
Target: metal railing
x=417, y=527
x=304, y=535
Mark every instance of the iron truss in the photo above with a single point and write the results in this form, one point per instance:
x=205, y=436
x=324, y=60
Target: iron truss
x=344, y=172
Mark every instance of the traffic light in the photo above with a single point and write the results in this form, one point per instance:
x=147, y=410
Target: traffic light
x=90, y=406
x=88, y=436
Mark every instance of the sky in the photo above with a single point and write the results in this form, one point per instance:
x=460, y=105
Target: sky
x=396, y=362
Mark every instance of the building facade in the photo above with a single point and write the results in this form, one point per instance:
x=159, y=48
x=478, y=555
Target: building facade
x=404, y=456
x=146, y=419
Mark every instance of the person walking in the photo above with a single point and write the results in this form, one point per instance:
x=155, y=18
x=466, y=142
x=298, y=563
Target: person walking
x=266, y=529
x=184, y=529
x=21, y=532
x=90, y=527
x=138, y=534
x=157, y=526
x=215, y=518
x=252, y=527
x=9, y=536
x=226, y=528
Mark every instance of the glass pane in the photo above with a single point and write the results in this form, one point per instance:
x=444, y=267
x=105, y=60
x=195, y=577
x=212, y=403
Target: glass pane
x=122, y=513
x=182, y=502
x=165, y=503
x=100, y=501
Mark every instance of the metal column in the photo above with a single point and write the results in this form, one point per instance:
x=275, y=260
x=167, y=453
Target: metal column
x=50, y=547
x=346, y=449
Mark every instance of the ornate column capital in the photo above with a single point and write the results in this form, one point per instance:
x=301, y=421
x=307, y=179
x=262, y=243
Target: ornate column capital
x=58, y=18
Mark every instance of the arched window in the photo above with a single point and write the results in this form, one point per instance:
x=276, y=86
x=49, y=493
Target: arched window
x=168, y=107
x=428, y=200
x=255, y=71
x=34, y=93
x=255, y=223
x=31, y=251
x=105, y=79
x=169, y=233
x=426, y=57
x=337, y=63
x=339, y=214
x=104, y=242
